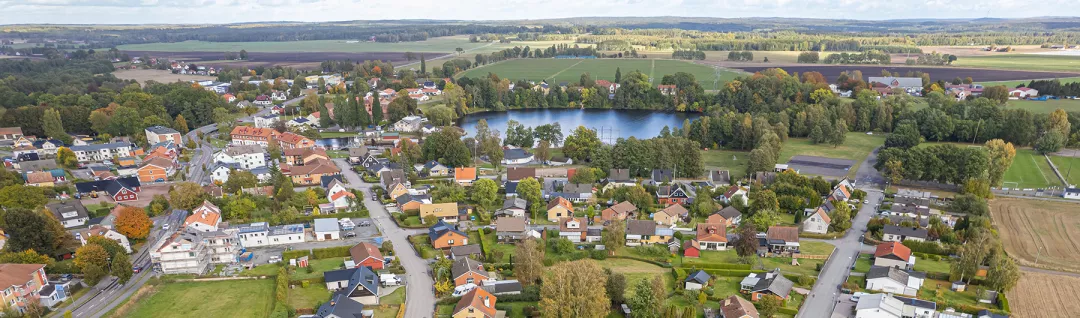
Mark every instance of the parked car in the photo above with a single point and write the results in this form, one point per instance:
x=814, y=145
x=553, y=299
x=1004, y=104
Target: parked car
x=350, y=234
x=365, y=223
x=66, y=277
x=274, y=259
x=136, y=269
x=165, y=226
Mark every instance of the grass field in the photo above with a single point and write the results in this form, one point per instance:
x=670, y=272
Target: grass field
x=968, y=297
x=856, y=147
x=1045, y=231
x=1045, y=295
x=634, y=271
x=1065, y=165
x=1030, y=171
x=1045, y=107
x=239, y=298
x=926, y=265
x=570, y=70
x=159, y=76
x=732, y=160
x=1026, y=62
x=440, y=44
x=1012, y=84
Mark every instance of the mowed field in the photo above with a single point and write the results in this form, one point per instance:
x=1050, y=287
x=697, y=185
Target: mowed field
x=1045, y=296
x=1069, y=167
x=936, y=73
x=1036, y=229
x=1030, y=171
x=856, y=147
x=1046, y=107
x=1029, y=62
x=570, y=70
x=235, y=298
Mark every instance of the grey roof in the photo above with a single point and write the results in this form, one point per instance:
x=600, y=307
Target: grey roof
x=729, y=212
x=663, y=175
x=464, y=265
x=502, y=287
x=1072, y=190
x=440, y=228
x=985, y=313
x=897, y=219
x=465, y=250
x=593, y=231
x=619, y=175
x=325, y=225
x=515, y=203
x=37, y=165
x=287, y=229
x=893, y=273
x=161, y=130
x=905, y=231
x=328, y=181
x=511, y=187
x=719, y=177
x=917, y=302
x=699, y=277
x=58, y=209
x=96, y=147
x=338, y=275
x=364, y=282
x=511, y=224
x=515, y=153
x=402, y=199
x=773, y=282
x=904, y=82
x=259, y=171
x=578, y=188
x=253, y=227
x=243, y=149
x=358, y=151
x=640, y=227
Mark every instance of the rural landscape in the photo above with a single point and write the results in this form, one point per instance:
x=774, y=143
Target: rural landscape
x=795, y=167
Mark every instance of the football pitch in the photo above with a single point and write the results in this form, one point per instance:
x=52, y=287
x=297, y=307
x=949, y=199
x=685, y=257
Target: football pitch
x=1030, y=171
x=556, y=71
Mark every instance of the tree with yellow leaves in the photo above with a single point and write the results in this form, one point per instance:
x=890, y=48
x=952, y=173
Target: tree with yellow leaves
x=133, y=222
x=1001, y=155
x=575, y=289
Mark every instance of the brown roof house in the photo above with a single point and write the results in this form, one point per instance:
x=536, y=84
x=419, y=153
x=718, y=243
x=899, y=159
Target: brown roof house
x=517, y=173
x=893, y=254
x=711, y=237
x=817, y=222
x=559, y=208
x=477, y=303
x=511, y=228
x=728, y=216
x=671, y=215
x=782, y=240
x=620, y=211
x=737, y=307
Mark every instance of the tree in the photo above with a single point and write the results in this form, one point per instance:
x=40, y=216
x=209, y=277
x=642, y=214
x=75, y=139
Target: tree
x=22, y=197
x=614, y=235
x=747, y=243
x=24, y=230
x=543, y=151
x=239, y=179
x=121, y=267
x=1003, y=273
x=324, y=116
x=54, y=127
x=484, y=192
x=763, y=219
x=998, y=93
x=894, y=171
x=575, y=289
x=243, y=54
x=763, y=200
x=423, y=64
x=25, y=257
x=768, y=306
x=133, y=222
x=528, y=261
x=1059, y=122
x=1001, y=158
x=1050, y=142
x=643, y=301
x=181, y=124
x=529, y=189
x=92, y=274
x=616, y=286
x=841, y=218
x=66, y=158
x=186, y=195
x=906, y=135
x=581, y=144
x=448, y=192
x=376, y=110
x=440, y=115
x=90, y=258
x=239, y=209
x=839, y=133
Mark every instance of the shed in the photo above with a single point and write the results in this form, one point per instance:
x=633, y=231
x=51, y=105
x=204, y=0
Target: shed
x=326, y=229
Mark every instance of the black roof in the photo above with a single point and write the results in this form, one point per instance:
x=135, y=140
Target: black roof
x=338, y=275
x=341, y=306
x=917, y=302
x=326, y=179
x=699, y=277
x=363, y=282
x=905, y=231
x=663, y=175
x=111, y=186
x=440, y=228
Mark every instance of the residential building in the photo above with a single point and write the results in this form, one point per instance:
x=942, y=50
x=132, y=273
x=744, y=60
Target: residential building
x=246, y=156
x=771, y=283
x=906, y=83
x=737, y=307
x=301, y=122
x=879, y=306
x=711, y=237
x=394, y=182
x=301, y=156
x=511, y=228
x=180, y=253
x=433, y=168
x=663, y=175
x=409, y=202
x=340, y=306
x=736, y=191
x=917, y=308
x=363, y=286
x=156, y=134
x=519, y=173
x=266, y=121
x=119, y=189
x=559, y=208
x=620, y=211
x=893, y=254
x=20, y=284
x=339, y=196
x=156, y=170
x=894, y=280
x=357, y=155
x=477, y=303
x=719, y=178
x=366, y=254
x=1023, y=92
x=40, y=179
x=471, y=250
x=893, y=233
x=444, y=235
x=10, y=133
x=728, y=216
x=671, y=194
x=573, y=229
x=409, y=124
x=696, y=280
x=102, y=152
x=618, y=178
x=220, y=246
x=468, y=271
x=1072, y=193
x=99, y=230
x=782, y=240
x=642, y=232
x=70, y=213
x=289, y=140
x=444, y=212
x=512, y=207
x=326, y=229
x=310, y=173
x=516, y=156
x=817, y=222
x=221, y=171
x=262, y=234
x=671, y=215
x=246, y=135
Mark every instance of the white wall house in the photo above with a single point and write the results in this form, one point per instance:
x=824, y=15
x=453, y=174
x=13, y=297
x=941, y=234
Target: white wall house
x=266, y=121
x=817, y=222
x=247, y=156
x=261, y=234
x=102, y=152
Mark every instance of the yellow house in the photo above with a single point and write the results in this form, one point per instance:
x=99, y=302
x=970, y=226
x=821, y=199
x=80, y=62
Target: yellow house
x=559, y=208
x=670, y=215
x=639, y=232
x=396, y=190
x=448, y=212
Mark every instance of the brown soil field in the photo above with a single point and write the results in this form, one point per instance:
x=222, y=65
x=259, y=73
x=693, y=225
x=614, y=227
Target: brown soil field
x=1035, y=229
x=160, y=76
x=962, y=51
x=936, y=73
x=305, y=60
x=1045, y=296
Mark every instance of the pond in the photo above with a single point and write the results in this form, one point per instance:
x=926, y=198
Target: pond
x=610, y=124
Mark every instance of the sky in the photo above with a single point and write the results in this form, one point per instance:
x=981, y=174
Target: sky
x=231, y=11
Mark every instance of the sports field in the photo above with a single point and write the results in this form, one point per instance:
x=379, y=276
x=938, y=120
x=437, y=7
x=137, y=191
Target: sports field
x=1069, y=167
x=570, y=70
x=1027, y=62
x=1030, y=171
x=1045, y=107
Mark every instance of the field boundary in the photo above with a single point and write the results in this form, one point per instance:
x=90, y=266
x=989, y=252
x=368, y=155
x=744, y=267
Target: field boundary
x=563, y=70
x=1056, y=172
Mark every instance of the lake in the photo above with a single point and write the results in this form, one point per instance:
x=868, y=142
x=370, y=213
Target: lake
x=610, y=124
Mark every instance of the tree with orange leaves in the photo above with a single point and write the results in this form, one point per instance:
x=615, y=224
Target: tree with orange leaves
x=133, y=222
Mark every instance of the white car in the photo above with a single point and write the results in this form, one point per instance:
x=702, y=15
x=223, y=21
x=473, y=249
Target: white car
x=165, y=226
x=463, y=289
x=865, y=201
x=274, y=259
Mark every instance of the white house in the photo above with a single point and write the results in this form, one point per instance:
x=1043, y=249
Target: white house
x=220, y=171
x=262, y=234
x=894, y=280
x=817, y=221
x=878, y=306
x=204, y=218
x=1023, y=92
x=102, y=152
x=266, y=121
x=735, y=191
x=326, y=229
x=70, y=213
x=409, y=124
x=893, y=233
x=1072, y=193
x=341, y=197
x=516, y=156
x=99, y=230
x=246, y=156
x=299, y=122
x=697, y=280
x=278, y=95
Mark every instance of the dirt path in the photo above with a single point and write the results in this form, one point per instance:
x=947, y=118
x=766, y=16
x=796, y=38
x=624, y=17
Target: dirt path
x=564, y=70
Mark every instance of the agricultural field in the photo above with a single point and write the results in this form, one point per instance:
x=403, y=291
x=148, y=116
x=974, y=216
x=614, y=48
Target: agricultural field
x=936, y=73
x=1045, y=295
x=570, y=70
x=433, y=45
x=1045, y=107
x=238, y=298
x=1067, y=164
x=160, y=76
x=1039, y=231
x=1028, y=62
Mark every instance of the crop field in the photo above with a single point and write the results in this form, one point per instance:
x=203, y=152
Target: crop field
x=1030, y=171
x=1045, y=107
x=433, y=45
x=1045, y=295
x=936, y=73
x=1046, y=231
x=305, y=60
x=570, y=70
x=159, y=76
x=1030, y=62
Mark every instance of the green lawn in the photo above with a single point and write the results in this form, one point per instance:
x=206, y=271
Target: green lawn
x=318, y=266
x=391, y=301
x=863, y=264
x=1067, y=165
x=240, y=298
x=926, y=265
x=491, y=240
x=857, y=282
x=514, y=309
x=806, y=266
x=634, y=271
x=310, y=297
x=1026, y=62
x=1012, y=84
x=732, y=160
x=1045, y=107
x=856, y=147
x=570, y=70
x=1030, y=170
x=815, y=248
x=262, y=270
x=422, y=244
x=337, y=134
x=968, y=297
x=711, y=257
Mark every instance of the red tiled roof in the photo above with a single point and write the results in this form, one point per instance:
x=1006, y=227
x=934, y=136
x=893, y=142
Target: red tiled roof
x=893, y=248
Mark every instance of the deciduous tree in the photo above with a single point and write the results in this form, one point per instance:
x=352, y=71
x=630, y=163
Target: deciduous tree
x=643, y=302
x=747, y=243
x=616, y=286
x=581, y=144
x=529, y=189
x=90, y=258
x=22, y=197
x=575, y=289
x=133, y=222
x=841, y=218
x=66, y=158
x=186, y=195
x=1001, y=156
x=528, y=261
x=614, y=236
x=484, y=192
x=121, y=267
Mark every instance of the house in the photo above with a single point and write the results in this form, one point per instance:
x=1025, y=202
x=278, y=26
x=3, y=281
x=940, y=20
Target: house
x=841, y=192
x=511, y=228
x=510, y=187
x=516, y=156
x=266, y=121
x=893, y=254
x=782, y=239
x=366, y=254
x=468, y=271
x=893, y=233
x=53, y=294
x=641, y=232
x=728, y=216
x=578, y=192
x=477, y=303
x=310, y=173
x=620, y=211
x=736, y=191
x=671, y=215
x=663, y=175
x=219, y=172
x=289, y=140
x=103, y=231
x=394, y=182
x=879, y=306
x=560, y=161
x=771, y=283
x=70, y=213
x=917, y=308
x=1072, y=193
x=339, y=306
x=464, y=251
x=905, y=83
x=667, y=90
x=363, y=286
x=894, y=280
x=278, y=95
x=156, y=170
x=246, y=135
x=301, y=156
x=156, y=134
x=573, y=229
x=559, y=208
x=21, y=284
x=262, y=234
x=10, y=133
x=246, y=156
x=1023, y=92
x=444, y=235
x=512, y=207
x=465, y=175
x=410, y=202
x=338, y=279
x=444, y=212
x=618, y=178
x=357, y=155
x=36, y=165
x=737, y=307
x=433, y=168
x=301, y=123
x=326, y=229
x=165, y=150
x=204, y=218
x=229, y=98
x=671, y=194
x=180, y=253
x=985, y=313
x=40, y=179
x=519, y=173
x=697, y=280
x=409, y=124
x=817, y=222
x=263, y=100
x=102, y=152
x=120, y=189
x=711, y=237
x=502, y=287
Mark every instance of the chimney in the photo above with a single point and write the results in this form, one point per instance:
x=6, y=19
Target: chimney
x=487, y=301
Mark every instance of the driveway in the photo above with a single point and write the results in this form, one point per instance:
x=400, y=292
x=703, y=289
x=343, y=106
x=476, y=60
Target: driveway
x=420, y=298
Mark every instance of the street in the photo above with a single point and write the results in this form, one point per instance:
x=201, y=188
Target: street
x=420, y=295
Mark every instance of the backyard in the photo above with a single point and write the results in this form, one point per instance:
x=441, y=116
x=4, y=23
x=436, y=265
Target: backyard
x=238, y=298
x=422, y=244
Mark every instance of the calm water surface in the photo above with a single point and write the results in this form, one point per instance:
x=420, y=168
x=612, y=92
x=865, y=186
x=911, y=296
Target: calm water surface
x=610, y=124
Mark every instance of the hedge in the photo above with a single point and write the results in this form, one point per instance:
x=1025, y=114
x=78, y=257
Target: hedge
x=319, y=253
x=664, y=265
x=787, y=311
x=311, y=218
x=483, y=246
x=1003, y=302
x=295, y=254
x=732, y=272
x=718, y=266
x=317, y=280
x=928, y=248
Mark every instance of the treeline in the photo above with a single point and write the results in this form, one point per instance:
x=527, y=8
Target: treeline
x=688, y=55
x=868, y=57
x=740, y=56
x=1054, y=87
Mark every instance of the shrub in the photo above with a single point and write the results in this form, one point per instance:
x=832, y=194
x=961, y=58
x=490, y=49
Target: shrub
x=598, y=255
x=805, y=280
x=818, y=266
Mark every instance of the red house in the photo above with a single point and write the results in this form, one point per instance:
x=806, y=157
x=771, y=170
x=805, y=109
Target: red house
x=120, y=190
x=366, y=254
x=669, y=195
x=692, y=250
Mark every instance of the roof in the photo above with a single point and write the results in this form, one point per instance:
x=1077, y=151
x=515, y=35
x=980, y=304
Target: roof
x=286, y=229
x=619, y=175
x=824, y=216
x=338, y=275
x=700, y=277
x=363, y=251
x=560, y=201
x=515, y=154
x=515, y=203
x=466, y=265
x=897, y=81
x=736, y=306
x=209, y=216
x=517, y=173
x=10, y=130
x=511, y=187
x=720, y=177
x=674, y=210
x=305, y=151
x=96, y=147
x=773, y=282
x=475, y=299
x=783, y=233
x=510, y=224
x=17, y=274
x=325, y=225
x=893, y=249
x=465, y=173
x=237, y=150
x=578, y=188
x=732, y=190
x=364, y=278
x=904, y=231
x=161, y=130
x=37, y=165
x=502, y=287
x=893, y=273
x=663, y=175
x=406, y=198
x=707, y=232
x=623, y=207
x=881, y=302
x=158, y=162
x=441, y=228
x=358, y=151
x=465, y=250
x=328, y=181
x=317, y=166
x=640, y=227
x=60, y=208
x=439, y=209
x=729, y=212
x=916, y=302
x=291, y=138
x=39, y=177
x=563, y=228
x=253, y=131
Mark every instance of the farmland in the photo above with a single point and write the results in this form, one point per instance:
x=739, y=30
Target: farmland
x=1045, y=107
x=295, y=59
x=1031, y=62
x=1045, y=295
x=159, y=76
x=242, y=298
x=433, y=45
x=570, y=70
x=1039, y=230
x=936, y=73
x=1011, y=84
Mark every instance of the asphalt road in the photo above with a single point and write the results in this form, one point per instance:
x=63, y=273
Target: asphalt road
x=420, y=294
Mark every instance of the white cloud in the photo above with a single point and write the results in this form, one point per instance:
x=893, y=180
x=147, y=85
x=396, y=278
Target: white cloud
x=230, y=11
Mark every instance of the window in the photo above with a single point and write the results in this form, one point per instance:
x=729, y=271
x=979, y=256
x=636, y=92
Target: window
x=450, y=242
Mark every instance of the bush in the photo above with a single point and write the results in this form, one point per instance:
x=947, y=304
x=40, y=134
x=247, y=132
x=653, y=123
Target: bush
x=598, y=255
x=818, y=266
x=805, y=280
x=719, y=266
x=1003, y=302
x=294, y=254
x=928, y=247
x=337, y=251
